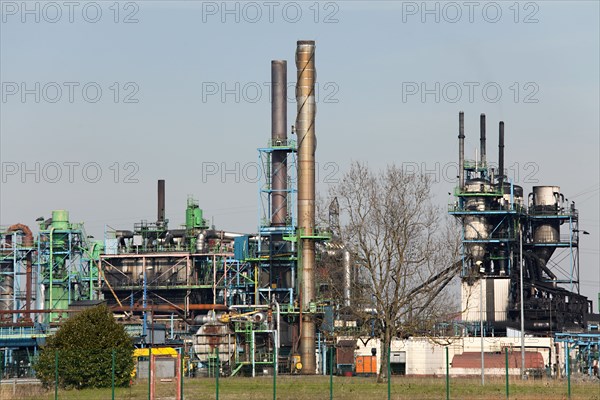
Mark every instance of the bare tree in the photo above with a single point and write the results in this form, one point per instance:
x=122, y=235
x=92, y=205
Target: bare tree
x=403, y=252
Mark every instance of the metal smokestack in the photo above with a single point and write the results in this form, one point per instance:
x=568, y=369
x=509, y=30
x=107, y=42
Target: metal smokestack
x=501, y=155
x=461, y=150
x=279, y=138
x=161, y=201
x=305, y=129
x=482, y=139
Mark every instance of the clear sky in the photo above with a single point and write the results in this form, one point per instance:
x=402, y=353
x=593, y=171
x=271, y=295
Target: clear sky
x=146, y=90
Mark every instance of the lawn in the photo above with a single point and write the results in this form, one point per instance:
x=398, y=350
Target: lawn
x=313, y=388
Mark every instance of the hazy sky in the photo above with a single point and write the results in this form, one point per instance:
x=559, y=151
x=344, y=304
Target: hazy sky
x=101, y=99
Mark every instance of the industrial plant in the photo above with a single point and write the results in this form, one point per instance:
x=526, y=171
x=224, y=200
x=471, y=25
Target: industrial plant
x=252, y=304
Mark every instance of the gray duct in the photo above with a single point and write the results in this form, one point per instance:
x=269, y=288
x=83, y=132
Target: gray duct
x=279, y=138
x=305, y=129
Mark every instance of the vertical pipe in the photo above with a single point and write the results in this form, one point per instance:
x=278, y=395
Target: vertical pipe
x=501, y=155
x=347, y=278
x=461, y=150
x=482, y=146
x=161, y=201
x=305, y=129
x=279, y=138
x=51, y=266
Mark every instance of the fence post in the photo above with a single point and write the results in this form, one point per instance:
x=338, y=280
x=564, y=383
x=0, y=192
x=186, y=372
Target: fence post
x=217, y=371
x=182, y=373
x=55, y=374
x=113, y=374
x=150, y=373
x=331, y=373
x=389, y=371
x=506, y=363
x=275, y=373
x=568, y=367
x=447, y=374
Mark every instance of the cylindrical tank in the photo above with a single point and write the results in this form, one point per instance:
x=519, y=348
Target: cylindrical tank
x=212, y=336
x=546, y=200
x=517, y=194
x=60, y=219
x=193, y=215
x=546, y=197
x=476, y=226
x=60, y=222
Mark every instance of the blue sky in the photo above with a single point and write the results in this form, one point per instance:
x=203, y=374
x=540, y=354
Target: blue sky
x=543, y=56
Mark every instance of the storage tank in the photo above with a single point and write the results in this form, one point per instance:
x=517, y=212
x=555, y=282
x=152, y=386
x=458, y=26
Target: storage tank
x=546, y=201
x=505, y=190
x=211, y=336
x=476, y=226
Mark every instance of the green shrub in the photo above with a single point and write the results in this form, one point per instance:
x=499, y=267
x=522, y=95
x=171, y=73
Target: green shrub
x=85, y=345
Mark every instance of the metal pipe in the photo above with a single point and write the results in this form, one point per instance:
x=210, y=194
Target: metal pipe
x=461, y=150
x=501, y=155
x=171, y=307
x=161, y=201
x=347, y=278
x=279, y=138
x=482, y=146
x=305, y=129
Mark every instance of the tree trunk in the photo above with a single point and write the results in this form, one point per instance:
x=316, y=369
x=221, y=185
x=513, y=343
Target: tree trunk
x=383, y=363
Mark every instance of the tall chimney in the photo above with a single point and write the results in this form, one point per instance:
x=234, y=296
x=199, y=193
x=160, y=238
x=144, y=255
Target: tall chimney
x=161, y=201
x=279, y=138
x=482, y=139
x=461, y=150
x=305, y=129
x=501, y=155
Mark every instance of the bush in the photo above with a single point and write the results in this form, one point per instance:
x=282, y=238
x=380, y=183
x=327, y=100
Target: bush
x=85, y=345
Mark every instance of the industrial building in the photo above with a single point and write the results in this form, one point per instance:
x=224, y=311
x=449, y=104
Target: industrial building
x=255, y=297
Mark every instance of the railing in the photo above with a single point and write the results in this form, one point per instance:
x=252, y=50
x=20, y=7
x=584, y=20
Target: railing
x=288, y=143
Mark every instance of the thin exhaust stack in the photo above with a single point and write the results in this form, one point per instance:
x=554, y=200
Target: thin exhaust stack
x=482, y=140
x=461, y=150
x=160, y=218
x=501, y=154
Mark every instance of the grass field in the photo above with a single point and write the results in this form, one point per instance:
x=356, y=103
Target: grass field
x=313, y=388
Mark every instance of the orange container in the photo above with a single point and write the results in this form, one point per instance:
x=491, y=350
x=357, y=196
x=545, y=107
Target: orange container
x=366, y=364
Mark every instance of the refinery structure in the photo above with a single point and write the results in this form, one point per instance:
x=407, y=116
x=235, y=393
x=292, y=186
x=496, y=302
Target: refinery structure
x=254, y=298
